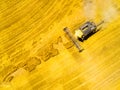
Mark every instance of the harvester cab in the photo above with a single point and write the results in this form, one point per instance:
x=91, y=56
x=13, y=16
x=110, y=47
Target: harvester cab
x=86, y=29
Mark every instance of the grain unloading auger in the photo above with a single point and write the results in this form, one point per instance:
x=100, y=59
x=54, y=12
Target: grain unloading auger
x=82, y=32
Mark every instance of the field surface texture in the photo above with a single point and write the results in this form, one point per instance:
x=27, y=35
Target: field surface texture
x=36, y=54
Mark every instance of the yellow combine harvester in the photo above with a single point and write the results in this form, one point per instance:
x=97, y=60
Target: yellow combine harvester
x=81, y=33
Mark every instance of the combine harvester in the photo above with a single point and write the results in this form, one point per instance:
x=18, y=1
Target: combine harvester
x=81, y=33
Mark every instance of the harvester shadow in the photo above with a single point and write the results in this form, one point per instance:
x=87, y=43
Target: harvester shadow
x=89, y=35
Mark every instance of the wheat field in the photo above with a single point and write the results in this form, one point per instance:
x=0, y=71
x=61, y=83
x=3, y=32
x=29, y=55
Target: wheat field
x=36, y=54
